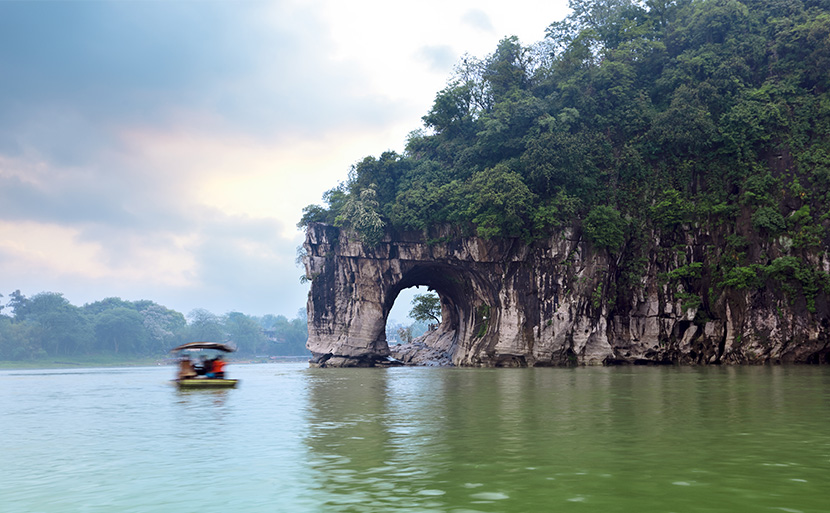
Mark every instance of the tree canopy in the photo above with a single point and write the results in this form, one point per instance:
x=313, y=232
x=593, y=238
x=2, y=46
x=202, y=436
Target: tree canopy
x=620, y=102
x=426, y=308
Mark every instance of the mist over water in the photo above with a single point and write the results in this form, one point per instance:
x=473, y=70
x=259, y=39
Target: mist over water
x=292, y=438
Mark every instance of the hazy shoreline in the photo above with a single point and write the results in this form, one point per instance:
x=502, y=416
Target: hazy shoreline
x=110, y=361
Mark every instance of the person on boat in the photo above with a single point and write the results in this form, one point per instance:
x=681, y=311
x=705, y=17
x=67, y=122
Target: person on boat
x=186, y=369
x=202, y=367
x=217, y=369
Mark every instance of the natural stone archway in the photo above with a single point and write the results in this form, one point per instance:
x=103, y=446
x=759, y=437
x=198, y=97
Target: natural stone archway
x=553, y=302
x=354, y=289
x=482, y=286
x=444, y=281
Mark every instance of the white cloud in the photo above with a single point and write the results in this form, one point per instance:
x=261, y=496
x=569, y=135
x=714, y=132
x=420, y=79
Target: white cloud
x=50, y=251
x=164, y=150
x=478, y=19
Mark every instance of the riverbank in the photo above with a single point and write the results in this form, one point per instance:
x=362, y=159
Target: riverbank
x=123, y=361
x=82, y=362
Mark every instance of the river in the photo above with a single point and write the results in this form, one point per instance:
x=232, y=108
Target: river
x=294, y=439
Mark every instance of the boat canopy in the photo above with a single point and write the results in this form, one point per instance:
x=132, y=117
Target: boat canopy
x=204, y=345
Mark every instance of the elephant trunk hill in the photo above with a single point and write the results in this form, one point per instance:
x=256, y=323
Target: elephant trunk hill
x=648, y=183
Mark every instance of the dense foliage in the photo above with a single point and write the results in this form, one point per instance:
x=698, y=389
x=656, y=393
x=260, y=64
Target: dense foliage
x=48, y=325
x=630, y=117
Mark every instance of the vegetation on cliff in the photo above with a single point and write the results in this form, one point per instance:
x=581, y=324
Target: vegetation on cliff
x=633, y=121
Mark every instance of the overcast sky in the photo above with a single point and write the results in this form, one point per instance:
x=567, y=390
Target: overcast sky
x=164, y=150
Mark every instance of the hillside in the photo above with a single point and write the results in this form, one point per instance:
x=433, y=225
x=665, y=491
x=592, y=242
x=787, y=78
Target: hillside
x=632, y=121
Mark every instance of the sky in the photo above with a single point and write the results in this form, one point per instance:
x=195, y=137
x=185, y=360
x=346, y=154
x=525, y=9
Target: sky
x=164, y=150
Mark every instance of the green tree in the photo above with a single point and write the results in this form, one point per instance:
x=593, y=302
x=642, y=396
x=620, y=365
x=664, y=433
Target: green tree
x=165, y=328
x=288, y=338
x=66, y=330
x=455, y=110
x=335, y=200
x=502, y=129
x=361, y=214
x=20, y=340
x=205, y=326
x=245, y=332
x=426, y=307
x=105, y=304
x=405, y=334
x=382, y=176
x=507, y=69
x=671, y=209
x=605, y=228
x=121, y=330
x=19, y=304
x=499, y=203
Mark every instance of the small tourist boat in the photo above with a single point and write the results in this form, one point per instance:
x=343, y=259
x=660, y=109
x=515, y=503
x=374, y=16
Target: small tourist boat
x=197, y=376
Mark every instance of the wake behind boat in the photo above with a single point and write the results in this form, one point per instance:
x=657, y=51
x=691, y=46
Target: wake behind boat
x=200, y=365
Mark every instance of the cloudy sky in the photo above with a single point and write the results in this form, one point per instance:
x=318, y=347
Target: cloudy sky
x=164, y=150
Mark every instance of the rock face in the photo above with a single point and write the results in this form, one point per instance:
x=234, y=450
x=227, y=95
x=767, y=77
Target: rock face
x=554, y=302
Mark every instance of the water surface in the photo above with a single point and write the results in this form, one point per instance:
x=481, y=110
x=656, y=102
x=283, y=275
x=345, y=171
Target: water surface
x=418, y=439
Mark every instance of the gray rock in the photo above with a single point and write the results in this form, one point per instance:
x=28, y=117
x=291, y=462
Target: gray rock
x=553, y=302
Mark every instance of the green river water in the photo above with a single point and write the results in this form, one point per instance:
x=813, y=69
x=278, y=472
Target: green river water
x=294, y=439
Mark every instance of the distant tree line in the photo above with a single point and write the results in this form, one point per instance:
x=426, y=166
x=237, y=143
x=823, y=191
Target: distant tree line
x=48, y=325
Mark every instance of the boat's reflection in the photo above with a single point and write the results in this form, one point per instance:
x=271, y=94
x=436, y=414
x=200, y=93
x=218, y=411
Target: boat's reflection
x=203, y=404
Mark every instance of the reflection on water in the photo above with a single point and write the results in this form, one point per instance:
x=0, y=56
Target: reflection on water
x=371, y=438
x=617, y=439
x=208, y=399
x=418, y=439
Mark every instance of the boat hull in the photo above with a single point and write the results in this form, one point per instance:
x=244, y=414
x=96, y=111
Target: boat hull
x=206, y=383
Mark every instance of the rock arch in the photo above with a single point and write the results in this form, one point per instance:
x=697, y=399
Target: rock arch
x=354, y=288
x=463, y=294
x=482, y=286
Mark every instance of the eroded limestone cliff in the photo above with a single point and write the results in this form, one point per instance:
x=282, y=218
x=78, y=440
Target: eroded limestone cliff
x=553, y=302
